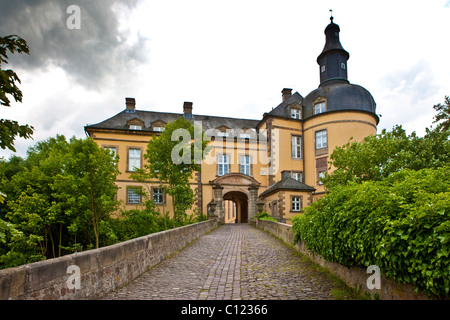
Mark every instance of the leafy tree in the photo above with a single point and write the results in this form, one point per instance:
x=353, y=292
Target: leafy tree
x=172, y=158
x=443, y=114
x=400, y=223
x=10, y=129
x=59, y=199
x=378, y=156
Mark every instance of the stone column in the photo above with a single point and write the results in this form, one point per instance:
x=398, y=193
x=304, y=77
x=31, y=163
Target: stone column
x=252, y=201
x=218, y=199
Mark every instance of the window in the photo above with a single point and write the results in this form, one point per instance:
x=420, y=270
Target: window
x=321, y=167
x=159, y=129
x=321, y=139
x=297, y=176
x=112, y=150
x=245, y=166
x=222, y=134
x=296, y=204
x=274, y=207
x=319, y=108
x=133, y=196
x=244, y=135
x=296, y=144
x=158, y=195
x=295, y=113
x=134, y=159
x=135, y=127
x=343, y=65
x=223, y=164
x=320, y=175
x=322, y=69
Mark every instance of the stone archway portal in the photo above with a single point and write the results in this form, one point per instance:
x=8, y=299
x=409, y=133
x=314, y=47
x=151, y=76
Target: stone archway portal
x=237, y=184
x=237, y=208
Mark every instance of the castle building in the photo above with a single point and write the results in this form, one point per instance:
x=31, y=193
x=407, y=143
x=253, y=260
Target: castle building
x=272, y=164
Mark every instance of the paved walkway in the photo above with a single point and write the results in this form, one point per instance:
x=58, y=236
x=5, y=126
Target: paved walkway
x=235, y=261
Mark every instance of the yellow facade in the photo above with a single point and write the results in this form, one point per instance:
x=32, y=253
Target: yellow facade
x=236, y=203
x=272, y=164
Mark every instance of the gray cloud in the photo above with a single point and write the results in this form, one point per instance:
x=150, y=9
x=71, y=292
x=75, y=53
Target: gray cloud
x=93, y=55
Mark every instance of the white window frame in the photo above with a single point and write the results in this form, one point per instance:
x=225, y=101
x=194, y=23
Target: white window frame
x=135, y=127
x=244, y=136
x=245, y=165
x=296, y=204
x=113, y=149
x=321, y=175
x=134, y=159
x=158, y=194
x=297, y=176
x=319, y=108
x=159, y=129
x=296, y=113
x=321, y=139
x=223, y=164
x=296, y=147
x=133, y=197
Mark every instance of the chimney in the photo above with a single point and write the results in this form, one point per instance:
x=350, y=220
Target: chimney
x=187, y=110
x=286, y=93
x=130, y=104
x=285, y=174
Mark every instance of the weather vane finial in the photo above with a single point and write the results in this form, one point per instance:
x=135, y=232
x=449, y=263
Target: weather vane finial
x=331, y=12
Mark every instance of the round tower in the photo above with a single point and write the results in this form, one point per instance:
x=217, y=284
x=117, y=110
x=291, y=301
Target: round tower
x=335, y=112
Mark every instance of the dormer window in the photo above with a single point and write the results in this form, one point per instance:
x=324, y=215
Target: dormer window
x=223, y=131
x=322, y=69
x=158, y=125
x=135, y=124
x=295, y=113
x=319, y=108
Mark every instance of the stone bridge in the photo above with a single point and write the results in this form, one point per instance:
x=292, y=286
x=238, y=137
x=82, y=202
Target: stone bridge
x=235, y=261
x=202, y=261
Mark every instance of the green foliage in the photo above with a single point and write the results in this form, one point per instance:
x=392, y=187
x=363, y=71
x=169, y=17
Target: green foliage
x=10, y=129
x=443, y=115
x=377, y=156
x=265, y=216
x=387, y=204
x=137, y=223
x=57, y=199
x=175, y=142
x=401, y=224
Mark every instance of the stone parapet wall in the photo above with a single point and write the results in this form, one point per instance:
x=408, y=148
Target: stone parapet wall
x=92, y=273
x=354, y=277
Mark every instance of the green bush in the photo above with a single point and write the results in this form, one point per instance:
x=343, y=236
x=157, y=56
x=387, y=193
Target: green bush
x=265, y=216
x=401, y=224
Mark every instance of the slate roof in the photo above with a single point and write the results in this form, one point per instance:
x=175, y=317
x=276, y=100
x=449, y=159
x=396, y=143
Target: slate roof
x=282, y=110
x=287, y=183
x=119, y=121
x=341, y=96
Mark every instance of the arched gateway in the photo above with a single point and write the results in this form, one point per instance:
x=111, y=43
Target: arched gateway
x=239, y=188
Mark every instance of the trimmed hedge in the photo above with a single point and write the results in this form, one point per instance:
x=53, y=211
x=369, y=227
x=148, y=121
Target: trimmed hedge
x=401, y=224
x=265, y=216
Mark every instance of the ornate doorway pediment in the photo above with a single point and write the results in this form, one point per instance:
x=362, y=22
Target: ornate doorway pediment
x=235, y=182
x=234, y=179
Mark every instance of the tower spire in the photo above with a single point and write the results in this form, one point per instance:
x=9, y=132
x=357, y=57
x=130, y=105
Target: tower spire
x=333, y=59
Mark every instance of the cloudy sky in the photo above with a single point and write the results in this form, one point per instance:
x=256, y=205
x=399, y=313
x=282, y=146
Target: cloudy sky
x=230, y=58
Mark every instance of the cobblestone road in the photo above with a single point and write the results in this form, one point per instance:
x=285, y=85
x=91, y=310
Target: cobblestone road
x=235, y=261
